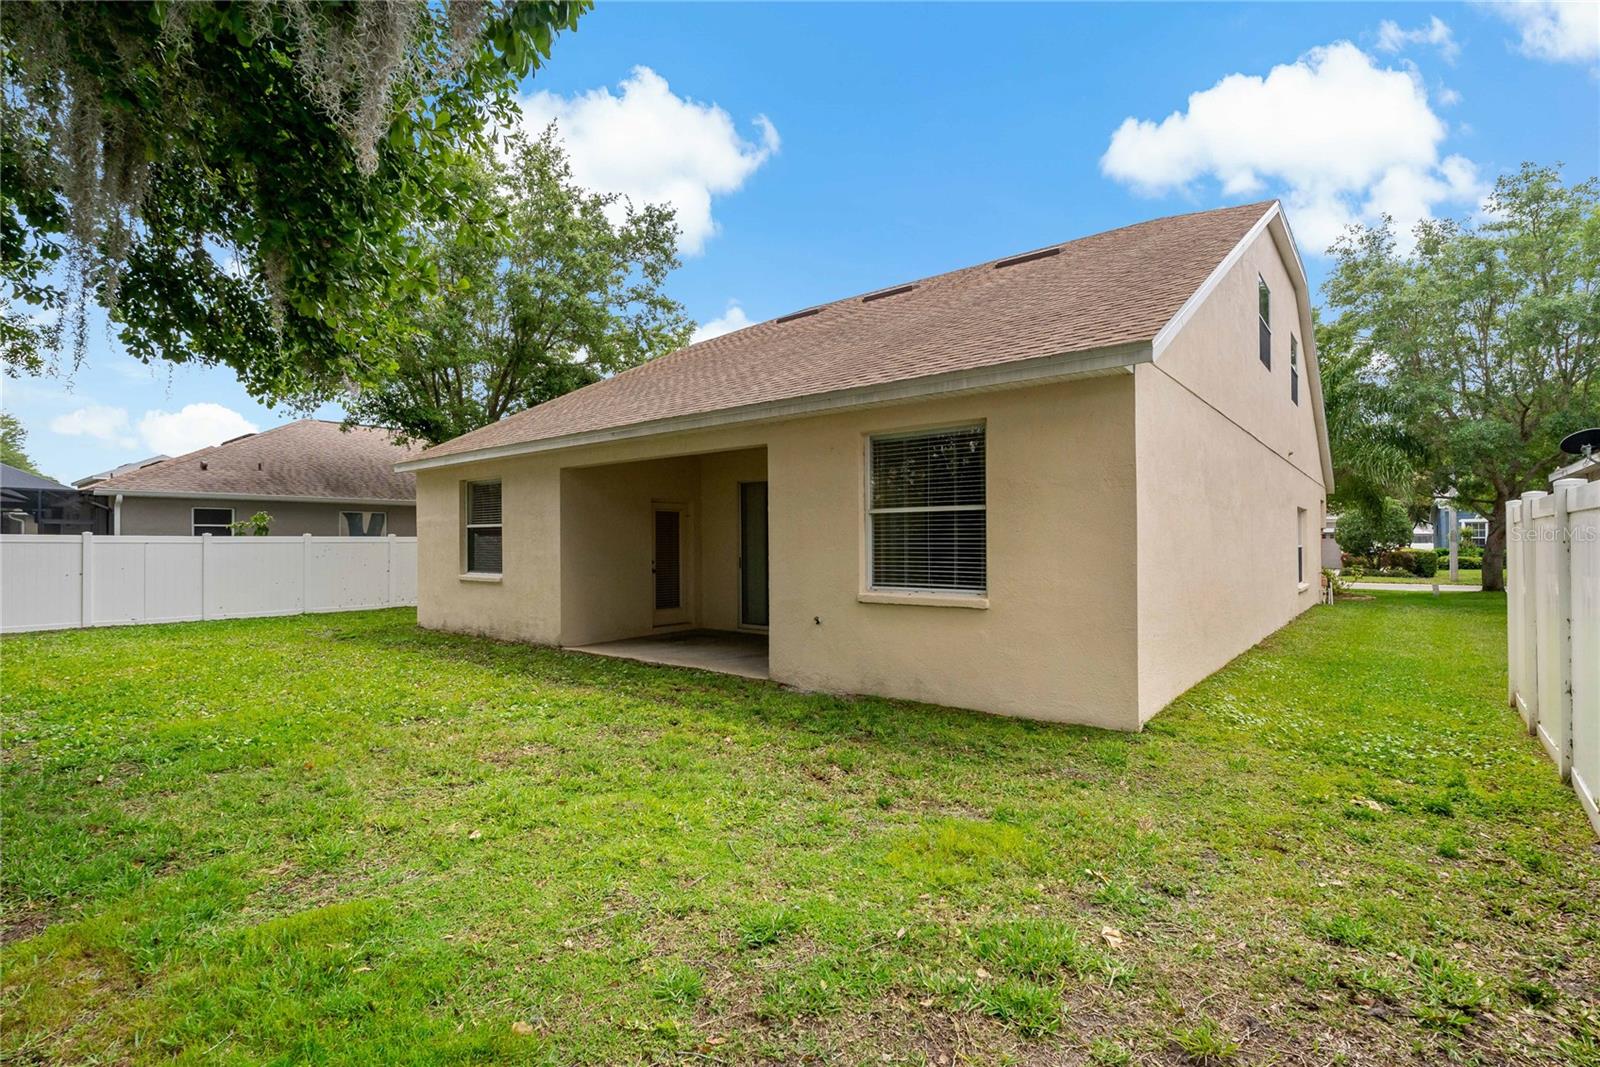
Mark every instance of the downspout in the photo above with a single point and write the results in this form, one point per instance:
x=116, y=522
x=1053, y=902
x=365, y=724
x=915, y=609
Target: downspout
x=116, y=516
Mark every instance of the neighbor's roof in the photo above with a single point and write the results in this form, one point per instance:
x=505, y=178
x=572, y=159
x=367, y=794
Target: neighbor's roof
x=122, y=468
x=311, y=460
x=17, y=478
x=1110, y=289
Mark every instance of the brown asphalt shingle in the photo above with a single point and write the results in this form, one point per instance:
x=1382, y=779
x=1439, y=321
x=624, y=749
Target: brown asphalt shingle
x=1111, y=288
x=309, y=458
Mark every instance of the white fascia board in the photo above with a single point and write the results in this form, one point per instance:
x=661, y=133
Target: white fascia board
x=1274, y=222
x=265, y=497
x=1092, y=363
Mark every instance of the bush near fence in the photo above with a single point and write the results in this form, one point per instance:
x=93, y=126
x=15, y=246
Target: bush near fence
x=1553, y=627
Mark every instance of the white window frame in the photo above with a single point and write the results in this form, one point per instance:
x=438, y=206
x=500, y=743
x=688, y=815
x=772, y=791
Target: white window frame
x=366, y=518
x=1300, y=546
x=1265, y=321
x=198, y=528
x=1294, y=369
x=467, y=525
x=870, y=589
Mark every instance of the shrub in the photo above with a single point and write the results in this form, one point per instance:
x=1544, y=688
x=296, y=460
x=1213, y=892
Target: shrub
x=1362, y=533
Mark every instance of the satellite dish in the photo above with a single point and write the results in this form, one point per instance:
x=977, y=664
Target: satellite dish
x=1582, y=442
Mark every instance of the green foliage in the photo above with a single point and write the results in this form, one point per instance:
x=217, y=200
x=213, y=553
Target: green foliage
x=256, y=525
x=14, y=444
x=1482, y=344
x=541, y=291
x=238, y=184
x=1362, y=533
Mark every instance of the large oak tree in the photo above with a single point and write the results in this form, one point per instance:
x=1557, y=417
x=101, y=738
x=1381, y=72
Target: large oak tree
x=238, y=182
x=1485, y=338
x=544, y=288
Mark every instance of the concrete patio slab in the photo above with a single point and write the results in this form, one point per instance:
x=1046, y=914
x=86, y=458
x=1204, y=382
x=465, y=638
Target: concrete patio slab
x=722, y=651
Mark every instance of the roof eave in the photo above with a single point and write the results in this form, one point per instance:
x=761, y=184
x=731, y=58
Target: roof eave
x=1093, y=362
x=190, y=494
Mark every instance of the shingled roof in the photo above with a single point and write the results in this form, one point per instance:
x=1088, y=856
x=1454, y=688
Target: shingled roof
x=309, y=459
x=1109, y=289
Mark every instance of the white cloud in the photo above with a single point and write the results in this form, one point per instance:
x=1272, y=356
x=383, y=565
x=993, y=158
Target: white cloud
x=1447, y=97
x=99, y=421
x=191, y=427
x=732, y=319
x=654, y=146
x=1560, y=32
x=1345, y=140
x=1391, y=38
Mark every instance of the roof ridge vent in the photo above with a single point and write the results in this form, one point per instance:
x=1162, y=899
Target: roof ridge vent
x=882, y=293
x=807, y=313
x=1028, y=257
x=241, y=437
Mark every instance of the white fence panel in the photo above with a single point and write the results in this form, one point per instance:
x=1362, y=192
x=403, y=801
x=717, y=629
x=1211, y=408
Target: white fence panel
x=1583, y=511
x=1553, y=627
x=52, y=583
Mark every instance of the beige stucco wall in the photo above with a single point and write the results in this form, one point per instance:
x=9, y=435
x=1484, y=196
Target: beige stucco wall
x=155, y=516
x=1056, y=640
x=1225, y=459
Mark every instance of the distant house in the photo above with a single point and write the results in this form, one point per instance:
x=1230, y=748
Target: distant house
x=33, y=504
x=149, y=461
x=311, y=476
x=1067, y=484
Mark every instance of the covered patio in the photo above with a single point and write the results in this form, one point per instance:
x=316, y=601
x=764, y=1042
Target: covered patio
x=721, y=651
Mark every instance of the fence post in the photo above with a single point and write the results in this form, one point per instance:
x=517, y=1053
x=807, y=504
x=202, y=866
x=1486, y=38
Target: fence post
x=1529, y=613
x=205, y=576
x=305, y=573
x=86, y=584
x=1513, y=599
x=1562, y=711
x=391, y=540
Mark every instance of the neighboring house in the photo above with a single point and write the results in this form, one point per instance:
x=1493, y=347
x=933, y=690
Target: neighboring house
x=1474, y=530
x=311, y=476
x=150, y=461
x=1065, y=485
x=33, y=504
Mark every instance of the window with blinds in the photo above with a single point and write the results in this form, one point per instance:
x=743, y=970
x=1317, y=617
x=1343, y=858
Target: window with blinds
x=927, y=511
x=483, y=527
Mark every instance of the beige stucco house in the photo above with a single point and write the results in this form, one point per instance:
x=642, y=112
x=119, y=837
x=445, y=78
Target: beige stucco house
x=312, y=476
x=1065, y=485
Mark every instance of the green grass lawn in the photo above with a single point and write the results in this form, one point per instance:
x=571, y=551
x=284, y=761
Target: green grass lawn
x=1464, y=577
x=339, y=839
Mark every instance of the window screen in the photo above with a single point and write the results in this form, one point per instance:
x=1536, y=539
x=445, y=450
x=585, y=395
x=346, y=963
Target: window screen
x=483, y=527
x=364, y=523
x=1264, y=308
x=927, y=511
x=218, y=522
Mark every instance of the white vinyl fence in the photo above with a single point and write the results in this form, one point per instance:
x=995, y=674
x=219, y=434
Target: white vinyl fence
x=1553, y=627
x=58, y=583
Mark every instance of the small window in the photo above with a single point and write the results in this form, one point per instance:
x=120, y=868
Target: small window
x=483, y=527
x=218, y=522
x=1294, y=368
x=1300, y=545
x=1264, y=300
x=927, y=511
x=363, y=523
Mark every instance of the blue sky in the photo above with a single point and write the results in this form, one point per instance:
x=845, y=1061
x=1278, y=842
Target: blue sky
x=816, y=151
